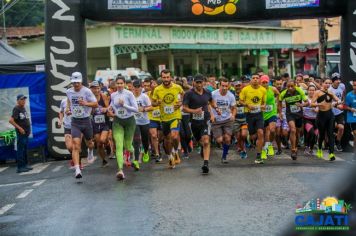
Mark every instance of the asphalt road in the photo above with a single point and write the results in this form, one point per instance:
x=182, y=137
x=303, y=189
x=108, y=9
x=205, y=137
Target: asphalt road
x=240, y=198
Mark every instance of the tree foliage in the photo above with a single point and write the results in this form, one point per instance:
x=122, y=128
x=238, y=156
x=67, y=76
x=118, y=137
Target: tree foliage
x=24, y=13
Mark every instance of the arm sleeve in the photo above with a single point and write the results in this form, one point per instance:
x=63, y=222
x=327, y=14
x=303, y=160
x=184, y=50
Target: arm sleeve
x=15, y=113
x=242, y=95
x=133, y=107
x=232, y=100
x=147, y=100
x=186, y=98
x=90, y=96
x=348, y=100
x=281, y=96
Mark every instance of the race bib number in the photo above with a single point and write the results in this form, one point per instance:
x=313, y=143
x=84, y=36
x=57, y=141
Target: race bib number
x=78, y=111
x=294, y=109
x=269, y=108
x=256, y=109
x=224, y=109
x=121, y=112
x=168, y=109
x=198, y=116
x=355, y=113
x=240, y=110
x=156, y=113
x=139, y=115
x=99, y=119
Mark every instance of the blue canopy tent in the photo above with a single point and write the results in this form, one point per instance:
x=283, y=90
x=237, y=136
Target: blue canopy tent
x=18, y=75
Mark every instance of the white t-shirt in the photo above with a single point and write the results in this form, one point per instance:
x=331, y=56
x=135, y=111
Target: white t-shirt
x=339, y=92
x=224, y=103
x=84, y=94
x=141, y=117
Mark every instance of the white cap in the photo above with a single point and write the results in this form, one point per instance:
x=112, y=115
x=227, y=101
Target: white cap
x=76, y=77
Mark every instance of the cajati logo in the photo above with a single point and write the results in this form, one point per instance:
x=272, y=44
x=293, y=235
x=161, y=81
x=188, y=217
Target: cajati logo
x=328, y=214
x=214, y=7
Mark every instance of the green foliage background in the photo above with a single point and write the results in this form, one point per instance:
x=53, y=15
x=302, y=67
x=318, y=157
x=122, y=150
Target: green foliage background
x=24, y=13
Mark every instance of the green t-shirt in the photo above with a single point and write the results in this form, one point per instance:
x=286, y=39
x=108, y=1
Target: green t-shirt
x=271, y=106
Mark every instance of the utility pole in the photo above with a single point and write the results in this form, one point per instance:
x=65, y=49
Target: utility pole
x=4, y=38
x=323, y=44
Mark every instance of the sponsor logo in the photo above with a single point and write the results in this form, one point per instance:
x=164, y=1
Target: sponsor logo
x=214, y=7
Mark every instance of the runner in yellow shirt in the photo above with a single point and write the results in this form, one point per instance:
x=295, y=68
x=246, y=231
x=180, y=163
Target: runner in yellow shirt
x=168, y=97
x=253, y=97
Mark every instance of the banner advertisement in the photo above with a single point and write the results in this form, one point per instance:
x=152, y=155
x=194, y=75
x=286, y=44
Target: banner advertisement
x=279, y=4
x=135, y=4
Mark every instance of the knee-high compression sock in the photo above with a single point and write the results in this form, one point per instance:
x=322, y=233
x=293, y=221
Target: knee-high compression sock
x=225, y=150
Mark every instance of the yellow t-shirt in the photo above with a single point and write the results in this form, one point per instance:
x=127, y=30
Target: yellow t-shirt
x=168, y=97
x=155, y=114
x=253, y=97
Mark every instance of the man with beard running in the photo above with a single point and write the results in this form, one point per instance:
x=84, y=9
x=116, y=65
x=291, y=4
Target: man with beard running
x=168, y=97
x=197, y=102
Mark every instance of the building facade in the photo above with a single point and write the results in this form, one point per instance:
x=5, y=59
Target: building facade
x=230, y=50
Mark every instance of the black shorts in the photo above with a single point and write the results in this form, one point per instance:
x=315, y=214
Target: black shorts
x=168, y=126
x=340, y=119
x=200, y=129
x=67, y=131
x=255, y=122
x=82, y=126
x=298, y=120
x=270, y=120
x=353, y=126
x=98, y=128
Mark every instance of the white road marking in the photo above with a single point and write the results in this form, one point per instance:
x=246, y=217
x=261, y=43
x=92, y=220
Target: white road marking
x=24, y=193
x=58, y=168
x=38, y=183
x=5, y=208
x=3, y=168
x=35, y=183
x=38, y=168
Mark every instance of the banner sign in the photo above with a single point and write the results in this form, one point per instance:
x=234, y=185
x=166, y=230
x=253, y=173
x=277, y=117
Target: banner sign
x=276, y=4
x=135, y=4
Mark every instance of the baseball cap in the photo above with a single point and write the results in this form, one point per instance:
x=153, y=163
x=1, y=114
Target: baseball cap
x=21, y=96
x=136, y=83
x=199, y=78
x=76, y=77
x=335, y=76
x=264, y=78
x=94, y=84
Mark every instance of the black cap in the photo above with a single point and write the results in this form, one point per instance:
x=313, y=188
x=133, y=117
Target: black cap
x=136, y=83
x=21, y=96
x=199, y=78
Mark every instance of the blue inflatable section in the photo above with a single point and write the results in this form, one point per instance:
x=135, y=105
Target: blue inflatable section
x=36, y=84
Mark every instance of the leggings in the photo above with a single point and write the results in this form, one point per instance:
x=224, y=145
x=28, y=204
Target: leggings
x=185, y=133
x=310, y=132
x=325, y=123
x=123, y=133
x=141, y=136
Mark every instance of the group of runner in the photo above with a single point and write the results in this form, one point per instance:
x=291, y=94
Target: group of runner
x=132, y=118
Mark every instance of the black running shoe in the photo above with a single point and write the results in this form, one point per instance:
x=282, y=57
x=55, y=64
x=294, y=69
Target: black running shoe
x=279, y=152
x=205, y=169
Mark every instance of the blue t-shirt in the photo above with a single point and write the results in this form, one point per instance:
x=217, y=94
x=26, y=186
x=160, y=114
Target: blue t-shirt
x=350, y=101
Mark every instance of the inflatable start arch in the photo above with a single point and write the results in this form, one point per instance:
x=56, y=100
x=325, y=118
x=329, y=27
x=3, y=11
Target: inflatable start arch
x=66, y=42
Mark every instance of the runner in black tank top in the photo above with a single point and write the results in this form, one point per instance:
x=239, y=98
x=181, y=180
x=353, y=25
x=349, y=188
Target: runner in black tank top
x=325, y=118
x=100, y=123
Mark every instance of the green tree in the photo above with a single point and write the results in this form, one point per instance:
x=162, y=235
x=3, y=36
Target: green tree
x=24, y=13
